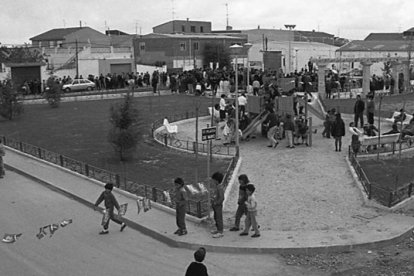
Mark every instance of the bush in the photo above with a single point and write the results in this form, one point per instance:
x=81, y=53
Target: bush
x=53, y=92
x=124, y=134
x=10, y=102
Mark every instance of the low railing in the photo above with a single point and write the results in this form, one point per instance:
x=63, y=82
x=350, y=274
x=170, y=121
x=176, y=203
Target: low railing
x=198, y=208
x=387, y=197
x=187, y=145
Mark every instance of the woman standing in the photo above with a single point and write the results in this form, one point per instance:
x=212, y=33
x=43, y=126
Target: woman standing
x=337, y=131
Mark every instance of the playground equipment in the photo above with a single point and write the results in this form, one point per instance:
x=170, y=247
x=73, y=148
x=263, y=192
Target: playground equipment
x=257, y=121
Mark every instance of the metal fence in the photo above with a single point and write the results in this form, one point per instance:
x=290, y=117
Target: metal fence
x=198, y=207
x=190, y=146
x=387, y=197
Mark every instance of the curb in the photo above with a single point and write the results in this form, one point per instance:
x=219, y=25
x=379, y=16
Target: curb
x=223, y=249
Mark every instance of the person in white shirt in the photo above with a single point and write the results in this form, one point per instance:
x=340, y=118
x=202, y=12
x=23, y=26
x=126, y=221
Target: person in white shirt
x=242, y=104
x=222, y=107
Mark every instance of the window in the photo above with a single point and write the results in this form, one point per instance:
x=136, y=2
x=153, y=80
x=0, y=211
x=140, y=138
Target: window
x=195, y=46
x=193, y=29
x=51, y=44
x=142, y=46
x=60, y=43
x=201, y=29
x=183, y=28
x=182, y=46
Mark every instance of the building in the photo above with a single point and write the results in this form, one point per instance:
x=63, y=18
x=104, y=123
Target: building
x=183, y=26
x=85, y=51
x=296, y=48
x=183, y=51
x=395, y=46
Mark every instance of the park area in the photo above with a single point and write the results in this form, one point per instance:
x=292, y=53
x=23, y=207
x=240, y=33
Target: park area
x=79, y=130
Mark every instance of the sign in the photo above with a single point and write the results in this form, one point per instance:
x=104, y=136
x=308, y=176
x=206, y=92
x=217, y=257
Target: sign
x=208, y=133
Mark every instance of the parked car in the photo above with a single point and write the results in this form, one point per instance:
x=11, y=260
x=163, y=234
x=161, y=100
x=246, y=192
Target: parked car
x=78, y=85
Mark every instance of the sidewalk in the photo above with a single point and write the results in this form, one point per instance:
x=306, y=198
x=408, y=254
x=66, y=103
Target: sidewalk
x=373, y=229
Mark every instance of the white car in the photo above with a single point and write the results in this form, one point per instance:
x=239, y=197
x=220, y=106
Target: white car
x=78, y=85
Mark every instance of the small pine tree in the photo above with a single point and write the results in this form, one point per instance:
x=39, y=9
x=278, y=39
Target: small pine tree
x=125, y=133
x=53, y=92
x=10, y=101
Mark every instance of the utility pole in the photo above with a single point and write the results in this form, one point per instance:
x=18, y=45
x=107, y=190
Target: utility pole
x=77, y=59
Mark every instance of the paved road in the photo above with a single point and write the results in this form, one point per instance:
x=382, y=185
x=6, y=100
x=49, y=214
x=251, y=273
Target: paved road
x=77, y=249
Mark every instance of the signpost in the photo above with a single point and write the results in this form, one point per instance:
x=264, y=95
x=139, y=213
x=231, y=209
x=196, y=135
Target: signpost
x=208, y=134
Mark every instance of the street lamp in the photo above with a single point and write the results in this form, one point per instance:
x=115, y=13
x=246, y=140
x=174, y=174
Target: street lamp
x=248, y=45
x=235, y=49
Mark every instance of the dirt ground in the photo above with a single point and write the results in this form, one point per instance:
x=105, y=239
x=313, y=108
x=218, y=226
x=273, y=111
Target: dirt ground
x=394, y=260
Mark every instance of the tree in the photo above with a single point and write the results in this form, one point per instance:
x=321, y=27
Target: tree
x=216, y=53
x=19, y=55
x=10, y=101
x=125, y=132
x=53, y=92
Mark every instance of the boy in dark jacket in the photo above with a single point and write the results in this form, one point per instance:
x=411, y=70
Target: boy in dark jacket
x=110, y=203
x=241, y=208
x=337, y=131
x=180, y=206
x=197, y=268
x=217, y=203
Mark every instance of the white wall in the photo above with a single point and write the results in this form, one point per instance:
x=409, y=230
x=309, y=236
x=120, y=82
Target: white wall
x=300, y=53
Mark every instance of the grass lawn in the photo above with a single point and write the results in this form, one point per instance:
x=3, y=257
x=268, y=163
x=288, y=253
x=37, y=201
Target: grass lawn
x=389, y=174
x=79, y=130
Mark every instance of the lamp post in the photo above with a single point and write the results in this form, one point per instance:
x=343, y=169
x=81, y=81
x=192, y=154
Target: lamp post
x=247, y=46
x=235, y=49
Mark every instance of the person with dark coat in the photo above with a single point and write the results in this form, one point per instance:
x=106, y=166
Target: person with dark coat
x=338, y=130
x=241, y=202
x=359, y=108
x=110, y=203
x=197, y=268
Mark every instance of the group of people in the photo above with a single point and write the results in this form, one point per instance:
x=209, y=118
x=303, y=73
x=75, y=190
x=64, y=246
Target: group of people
x=247, y=205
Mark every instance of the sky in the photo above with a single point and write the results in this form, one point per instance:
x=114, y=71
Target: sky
x=22, y=19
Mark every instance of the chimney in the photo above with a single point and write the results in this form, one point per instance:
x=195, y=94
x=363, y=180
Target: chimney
x=229, y=28
x=188, y=19
x=80, y=23
x=258, y=27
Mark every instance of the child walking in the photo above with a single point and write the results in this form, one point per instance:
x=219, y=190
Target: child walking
x=110, y=203
x=250, y=220
x=180, y=206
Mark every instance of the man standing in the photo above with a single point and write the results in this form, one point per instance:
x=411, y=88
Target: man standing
x=242, y=104
x=273, y=123
x=370, y=110
x=217, y=199
x=180, y=206
x=359, y=108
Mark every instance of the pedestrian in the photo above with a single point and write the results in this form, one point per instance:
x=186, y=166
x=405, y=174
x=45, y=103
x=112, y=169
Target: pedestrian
x=242, y=104
x=272, y=122
x=197, y=268
x=338, y=130
x=289, y=127
x=180, y=206
x=250, y=220
x=217, y=199
x=110, y=203
x=222, y=107
x=2, y=154
x=241, y=202
x=370, y=110
x=355, y=142
x=359, y=108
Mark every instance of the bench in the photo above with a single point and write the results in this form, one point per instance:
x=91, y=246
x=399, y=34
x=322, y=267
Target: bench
x=397, y=113
x=367, y=141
